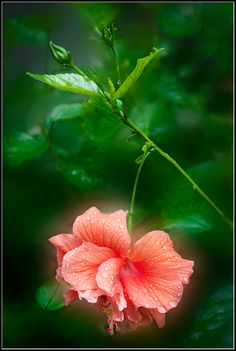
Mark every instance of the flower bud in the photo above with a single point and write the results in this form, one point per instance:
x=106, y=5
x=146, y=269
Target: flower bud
x=61, y=55
x=108, y=34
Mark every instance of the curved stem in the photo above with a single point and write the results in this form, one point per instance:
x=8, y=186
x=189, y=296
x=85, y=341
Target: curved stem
x=129, y=123
x=131, y=211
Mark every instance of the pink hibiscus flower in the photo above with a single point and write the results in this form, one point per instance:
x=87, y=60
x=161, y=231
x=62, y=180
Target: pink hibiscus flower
x=135, y=283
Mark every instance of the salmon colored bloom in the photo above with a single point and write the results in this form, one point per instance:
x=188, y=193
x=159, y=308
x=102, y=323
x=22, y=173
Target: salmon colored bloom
x=135, y=283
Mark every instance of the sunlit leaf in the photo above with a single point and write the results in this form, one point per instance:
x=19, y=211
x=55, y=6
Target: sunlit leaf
x=63, y=112
x=129, y=82
x=70, y=82
x=213, y=324
x=22, y=147
x=50, y=296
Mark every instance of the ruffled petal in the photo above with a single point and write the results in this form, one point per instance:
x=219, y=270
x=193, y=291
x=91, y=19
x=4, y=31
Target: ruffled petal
x=156, y=273
x=80, y=266
x=64, y=243
x=90, y=295
x=107, y=230
x=108, y=279
x=70, y=295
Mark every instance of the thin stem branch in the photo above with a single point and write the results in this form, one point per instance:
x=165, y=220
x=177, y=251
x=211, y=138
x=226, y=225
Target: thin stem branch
x=131, y=211
x=78, y=70
x=117, y=65
x=181, y=170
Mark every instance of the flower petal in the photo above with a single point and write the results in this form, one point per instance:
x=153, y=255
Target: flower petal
x=159, y=317
x=156, y=273
x=132, y=313
x=90, y=295
x=64, y=243
x=107, y=230
x=108, y=279
x=70, y=295
x=80, y=266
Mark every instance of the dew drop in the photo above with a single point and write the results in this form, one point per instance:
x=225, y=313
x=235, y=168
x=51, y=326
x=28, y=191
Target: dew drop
x=161, y=309
x=121, y=226
x=150, y=285
x=170, y=255
x=172, y=304
x=164, y=247
x=104, y=275
x=185, y=279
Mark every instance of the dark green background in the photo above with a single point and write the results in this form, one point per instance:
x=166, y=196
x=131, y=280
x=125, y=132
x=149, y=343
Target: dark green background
x=183, y=101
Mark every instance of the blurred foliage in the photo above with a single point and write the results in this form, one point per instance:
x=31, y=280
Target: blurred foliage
x=50, y=296
x=64, y=152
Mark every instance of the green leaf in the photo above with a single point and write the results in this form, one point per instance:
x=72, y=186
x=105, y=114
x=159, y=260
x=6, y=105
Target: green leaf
x=82, y=176
x=213, y=324
x=22, y=147
x=63, y=112
x=129, y=82
x=50, y=296
x=190, y=223
x=100, y=122
x=71, y=82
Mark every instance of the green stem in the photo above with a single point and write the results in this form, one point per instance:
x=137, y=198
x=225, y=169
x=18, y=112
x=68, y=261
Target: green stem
x=78, y=70
x=129, y=123
x=131, y=211
x=117, y=65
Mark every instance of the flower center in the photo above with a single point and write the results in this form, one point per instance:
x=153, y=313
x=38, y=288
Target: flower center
x=106, y=308
x=129, y=268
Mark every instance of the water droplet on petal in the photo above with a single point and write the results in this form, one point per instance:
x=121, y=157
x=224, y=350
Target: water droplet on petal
x=161, y=309
x=172, y=304
x=185, y=279
x=170, y=255
x=121, y=226
x=104, y=275
x=164, y=247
